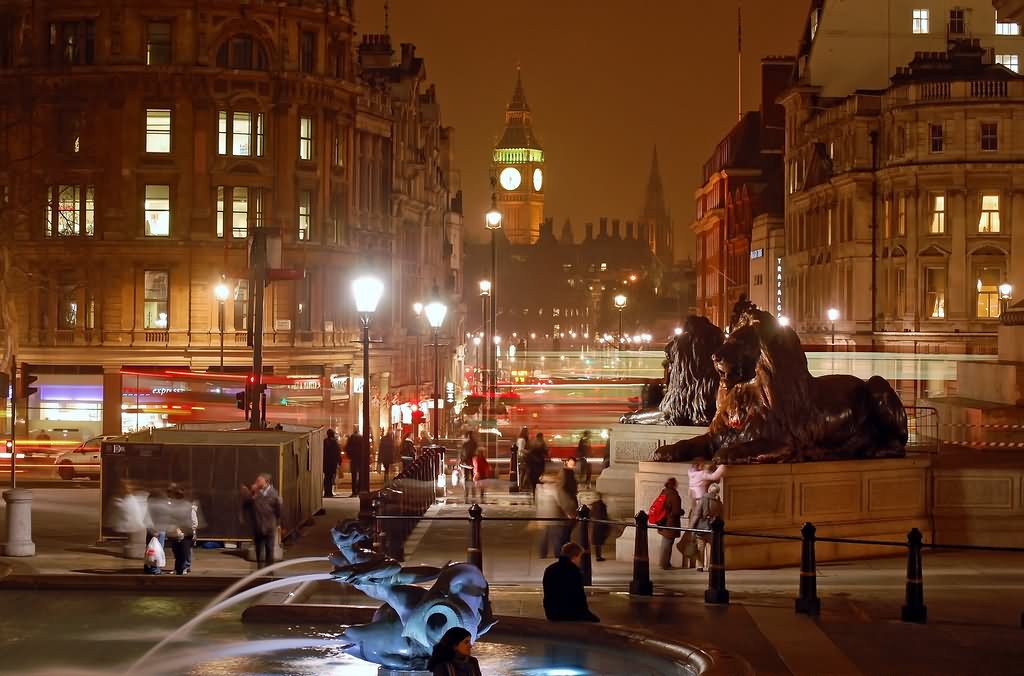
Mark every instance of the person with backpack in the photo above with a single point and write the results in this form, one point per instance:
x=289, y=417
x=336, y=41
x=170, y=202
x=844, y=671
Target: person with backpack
x=667, y=511
x=708, y=508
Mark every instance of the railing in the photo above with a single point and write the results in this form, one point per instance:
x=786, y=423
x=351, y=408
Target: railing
x=397, y=508
x=922, y=429
x=984, y=437
x=807, y=600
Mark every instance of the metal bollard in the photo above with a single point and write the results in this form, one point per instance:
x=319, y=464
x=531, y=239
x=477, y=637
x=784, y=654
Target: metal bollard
x=583, y=516
x=914, y=609
x=475, y=551
x=513, y=469
x=375, y=506
x=641, y=582
x=808, y=602
x=716, y=591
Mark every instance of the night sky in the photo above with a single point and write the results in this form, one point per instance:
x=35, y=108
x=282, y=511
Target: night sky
x=605, y=79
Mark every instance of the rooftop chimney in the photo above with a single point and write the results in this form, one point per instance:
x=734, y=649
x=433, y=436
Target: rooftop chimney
x=604, y=228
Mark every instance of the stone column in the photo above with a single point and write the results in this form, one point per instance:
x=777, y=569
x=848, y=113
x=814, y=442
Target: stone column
x=957, y=276
x=112, y=400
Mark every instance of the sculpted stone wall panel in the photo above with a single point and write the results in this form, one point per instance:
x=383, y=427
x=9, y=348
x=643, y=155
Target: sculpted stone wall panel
x=834, y=496
x=957, y=492
x=896, y=493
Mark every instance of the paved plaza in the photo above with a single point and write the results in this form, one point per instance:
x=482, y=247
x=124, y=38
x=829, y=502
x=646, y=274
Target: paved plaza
x=974, y=600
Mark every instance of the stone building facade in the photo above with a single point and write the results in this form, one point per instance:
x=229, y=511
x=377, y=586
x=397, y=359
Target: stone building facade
x=139, y=148
x=902, y=203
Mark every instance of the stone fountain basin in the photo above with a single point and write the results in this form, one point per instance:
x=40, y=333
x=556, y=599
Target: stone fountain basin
x=679, y=656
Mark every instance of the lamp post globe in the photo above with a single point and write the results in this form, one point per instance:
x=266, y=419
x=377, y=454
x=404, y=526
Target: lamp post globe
x=221, y=293
x=833, y=316
x=435, y=311
x=367, y=291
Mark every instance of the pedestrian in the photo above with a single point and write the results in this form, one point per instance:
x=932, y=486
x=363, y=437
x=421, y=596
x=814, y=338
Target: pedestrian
x=699, y=480
x=355, y=451
x=598, y=530
x=184, y=514
x=469, y=452
x=564, y=597
x=708, y=508
x=386, y=455
x=263, y=505
x=408, y=451
x=452, y=656
x=567, y=495
x=332, y=458
x=522, y=443
x=672, y=519
x=536, y=461
x=583, y=471
x=158, y=521
x=481, y=474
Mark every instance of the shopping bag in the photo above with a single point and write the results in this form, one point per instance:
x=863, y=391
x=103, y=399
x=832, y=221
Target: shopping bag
x=155, y=554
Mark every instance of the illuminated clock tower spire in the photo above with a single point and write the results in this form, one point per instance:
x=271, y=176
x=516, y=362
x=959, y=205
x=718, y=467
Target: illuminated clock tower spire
x=518, y=164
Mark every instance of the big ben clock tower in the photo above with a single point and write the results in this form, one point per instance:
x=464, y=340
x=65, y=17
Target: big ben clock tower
x=518, y=164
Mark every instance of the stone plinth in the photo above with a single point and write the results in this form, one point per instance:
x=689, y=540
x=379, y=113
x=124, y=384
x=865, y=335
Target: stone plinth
x=875, y=499
x=628, y=446
x=979, y=505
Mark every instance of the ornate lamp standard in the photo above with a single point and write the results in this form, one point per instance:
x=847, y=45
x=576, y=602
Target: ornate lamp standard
x=620, y=304
x=436, y=311
x=367, y=291
x=417, y=309
x=485, y=295
x=221, y=292
x=833, y=317
x=492, y=221
x=1005, y=296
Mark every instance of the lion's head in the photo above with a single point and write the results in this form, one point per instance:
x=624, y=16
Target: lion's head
x=690, y=373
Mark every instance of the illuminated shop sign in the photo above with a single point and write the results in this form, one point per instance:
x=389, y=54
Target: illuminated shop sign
x=756, y=253
x=778, y=286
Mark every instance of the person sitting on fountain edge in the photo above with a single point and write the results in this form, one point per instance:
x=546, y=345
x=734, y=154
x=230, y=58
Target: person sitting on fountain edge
x=564, y=598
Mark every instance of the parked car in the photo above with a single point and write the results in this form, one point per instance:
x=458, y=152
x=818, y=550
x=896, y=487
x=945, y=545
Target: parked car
x=81, y=461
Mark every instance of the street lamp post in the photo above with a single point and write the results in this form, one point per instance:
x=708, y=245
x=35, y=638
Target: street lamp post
x=417, y=309
x=367, y=292
x=492, y=221
x=436, y=311
x=833, y=316
x=485, y=294
x=620, y=304
x=220, y=292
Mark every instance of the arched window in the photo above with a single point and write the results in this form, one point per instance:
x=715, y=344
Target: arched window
x=243, y=53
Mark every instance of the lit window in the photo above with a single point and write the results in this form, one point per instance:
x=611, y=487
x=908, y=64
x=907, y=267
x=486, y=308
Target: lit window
x=67, y=310
x=235, y=132
x=158, y=210
x=241, y=309
x=604, y=266
x=241, y=134
x=901, y=216
x=989, y=136
x=305, y=215
x=989, y=221
x=920, y=21
x=71, y=211
x=938, y=222
x=935, y=292
x=1011, y=61
x=339, y=145
x=1006, y=27
x=240, y=213
x=887, y=217
x=73, y=43
x=158, y=43
x=305, y=138
x=158, y=130
x=246, y=206
x=156, y=312
x=988, y=292
x=936, y=138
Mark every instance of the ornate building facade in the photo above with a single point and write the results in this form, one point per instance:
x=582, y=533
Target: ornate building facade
x=139, y=149
x=902, y=203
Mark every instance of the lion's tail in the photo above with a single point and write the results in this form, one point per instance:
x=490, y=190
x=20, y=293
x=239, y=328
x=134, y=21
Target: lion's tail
x=890, y=416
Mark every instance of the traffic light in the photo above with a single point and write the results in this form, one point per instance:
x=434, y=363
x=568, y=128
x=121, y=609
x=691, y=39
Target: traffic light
x=5, y=385
x=27, y=379
x=242, y=399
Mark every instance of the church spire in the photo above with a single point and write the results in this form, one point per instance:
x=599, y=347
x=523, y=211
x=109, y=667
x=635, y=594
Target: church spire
x=518, y=102
x=654, y=199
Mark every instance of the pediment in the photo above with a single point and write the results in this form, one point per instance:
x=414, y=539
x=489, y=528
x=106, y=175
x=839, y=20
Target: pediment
x=935, y=250
x=988, y=250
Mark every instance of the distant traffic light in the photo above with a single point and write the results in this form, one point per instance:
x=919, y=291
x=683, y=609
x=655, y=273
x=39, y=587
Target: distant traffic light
x=27, y=379
x=242, y=399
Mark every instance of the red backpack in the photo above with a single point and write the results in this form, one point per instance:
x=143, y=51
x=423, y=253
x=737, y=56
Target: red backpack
x=657, y=512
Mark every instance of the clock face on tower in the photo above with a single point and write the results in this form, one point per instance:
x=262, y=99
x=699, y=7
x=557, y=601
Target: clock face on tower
x=510, y=178
x=538, y=179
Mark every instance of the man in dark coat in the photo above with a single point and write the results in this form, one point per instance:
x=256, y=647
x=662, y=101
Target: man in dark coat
x=598, y=531
x=564, y=598
x=332, y=458
x=354, y=450
x=263, y=505
x=386, y=455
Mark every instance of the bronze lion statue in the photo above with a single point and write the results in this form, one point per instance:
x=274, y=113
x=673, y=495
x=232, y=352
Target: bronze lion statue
x=771, y=409
x=691, y=381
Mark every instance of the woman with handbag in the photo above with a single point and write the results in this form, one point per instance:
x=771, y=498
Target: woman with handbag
x=672, y=519
x=708, y=509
